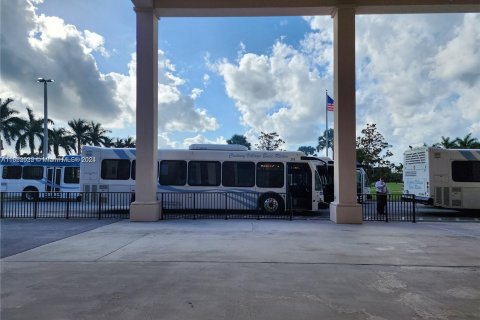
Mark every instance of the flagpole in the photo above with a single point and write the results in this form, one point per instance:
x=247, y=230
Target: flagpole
x=326, y=119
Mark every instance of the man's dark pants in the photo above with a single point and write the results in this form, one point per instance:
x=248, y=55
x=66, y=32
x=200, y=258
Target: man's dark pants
x=381, y=203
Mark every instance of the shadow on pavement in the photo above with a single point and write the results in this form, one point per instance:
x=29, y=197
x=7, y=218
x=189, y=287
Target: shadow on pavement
x=18, y=235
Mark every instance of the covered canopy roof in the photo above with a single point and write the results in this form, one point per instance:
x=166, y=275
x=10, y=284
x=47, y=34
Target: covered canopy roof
x=225, y=8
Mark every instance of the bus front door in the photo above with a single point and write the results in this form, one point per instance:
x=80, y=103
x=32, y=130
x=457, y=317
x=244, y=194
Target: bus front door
x=54, y=178
x=299, y=188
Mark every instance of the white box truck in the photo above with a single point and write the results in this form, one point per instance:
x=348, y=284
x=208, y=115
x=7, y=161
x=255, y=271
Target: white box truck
x=448, y=178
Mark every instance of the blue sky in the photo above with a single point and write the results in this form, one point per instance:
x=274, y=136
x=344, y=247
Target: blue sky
x=418, y=76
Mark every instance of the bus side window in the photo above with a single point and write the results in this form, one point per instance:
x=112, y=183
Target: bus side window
x=115, y=169
x=238, y=174
x=270, y=175
x=204, y=173
x=466, y=171
x=173, y=173
x=32, y=172
x=71, y=175
x=12, y=172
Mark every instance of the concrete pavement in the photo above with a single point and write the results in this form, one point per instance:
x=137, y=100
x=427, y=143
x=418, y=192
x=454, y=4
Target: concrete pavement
x=238, y=269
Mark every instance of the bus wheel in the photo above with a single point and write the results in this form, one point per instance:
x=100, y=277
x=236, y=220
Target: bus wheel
x=30, y=194
x=271, y=203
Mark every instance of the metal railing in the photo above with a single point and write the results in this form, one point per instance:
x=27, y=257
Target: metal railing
x=68, y=205
x=223, y=205
x=187, y=205
x=395, y=207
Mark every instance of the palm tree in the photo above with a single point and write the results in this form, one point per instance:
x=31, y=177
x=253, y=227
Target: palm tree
x=79, y=128
x=129, y=142
x=33, y=128
x=468, y=142
x=10, y=125
x=446, y=143
x=96, y=134
x=109, y=142
x=323, y=142
x=59, y=138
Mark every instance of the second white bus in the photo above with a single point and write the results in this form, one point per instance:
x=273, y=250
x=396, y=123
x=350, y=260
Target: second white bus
x=34, y=177
x=448, y=178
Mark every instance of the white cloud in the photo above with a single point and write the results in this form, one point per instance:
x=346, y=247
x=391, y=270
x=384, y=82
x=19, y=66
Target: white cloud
x=165, y=141
x=278, y=92
x=417, y=79
x=35, y=45
x=202, y=139
x=196, y=92
x=206, y=79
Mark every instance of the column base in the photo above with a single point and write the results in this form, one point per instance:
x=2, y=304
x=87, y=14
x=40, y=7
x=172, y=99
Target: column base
x=145, y=211
x=345, y=213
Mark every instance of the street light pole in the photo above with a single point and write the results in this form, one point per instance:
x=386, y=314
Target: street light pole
x=45, y=116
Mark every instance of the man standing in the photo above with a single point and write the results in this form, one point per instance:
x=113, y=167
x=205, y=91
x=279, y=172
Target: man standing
x=382, y=192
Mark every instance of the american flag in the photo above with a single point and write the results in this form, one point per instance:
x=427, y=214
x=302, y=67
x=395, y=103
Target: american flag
x=330, y=103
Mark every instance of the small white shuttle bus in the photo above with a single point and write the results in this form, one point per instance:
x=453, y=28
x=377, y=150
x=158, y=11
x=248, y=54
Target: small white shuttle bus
x=31, y=177
x=270, y=179
x=448, y=178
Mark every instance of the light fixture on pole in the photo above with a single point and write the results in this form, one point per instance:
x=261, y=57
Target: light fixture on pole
x=45, y=115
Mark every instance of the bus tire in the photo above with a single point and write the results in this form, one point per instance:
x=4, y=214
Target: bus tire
x=30, y=194
x=271, y=203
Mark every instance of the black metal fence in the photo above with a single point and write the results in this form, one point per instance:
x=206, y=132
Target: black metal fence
x=68, y=205
x=225, y=205
x=393, y=207
x=189, y=205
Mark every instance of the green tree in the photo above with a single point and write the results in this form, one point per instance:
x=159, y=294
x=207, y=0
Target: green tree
x=60, y=138
x=447, y=143
x=32, y=130
x=241, y=140
x=10, y=124
x=372, y=149
x=109, y=142
x=96, y=135
x=326, y=140
x=269, y=141
x=79, y=128
x=308, y=150
x=467, y=142
x=129, y=142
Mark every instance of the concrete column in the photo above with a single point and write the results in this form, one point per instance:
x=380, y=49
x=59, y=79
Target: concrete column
x=146, y=207
x=344, y=209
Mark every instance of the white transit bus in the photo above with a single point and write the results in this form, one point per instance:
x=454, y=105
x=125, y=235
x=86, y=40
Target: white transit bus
x=448, y=178
x=279, y=179
x=34, y=177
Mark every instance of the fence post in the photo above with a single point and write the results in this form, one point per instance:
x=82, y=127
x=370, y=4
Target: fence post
x=35, y=206
x=258, y=206
x=226, y=205
x=291, y=207
x=161, y=206
x=99, y=205
x=386, y=207
x=194, y=206
x=1, y=205
x=414, y=209
x=68, y=205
